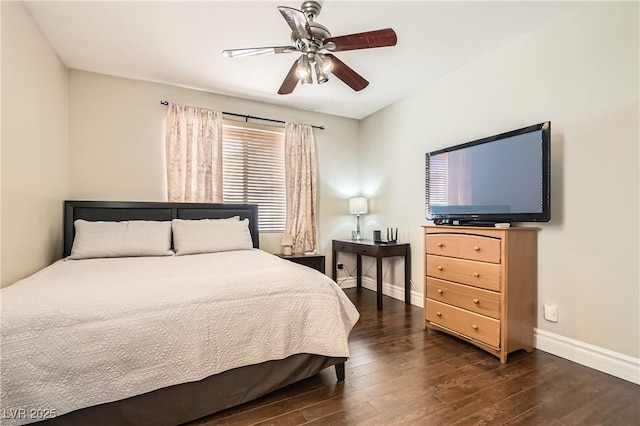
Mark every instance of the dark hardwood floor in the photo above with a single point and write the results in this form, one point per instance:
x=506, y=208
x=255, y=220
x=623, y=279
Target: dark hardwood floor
x=400, y=374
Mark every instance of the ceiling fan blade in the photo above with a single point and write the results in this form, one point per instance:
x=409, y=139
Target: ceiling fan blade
x=297, y=21
x=367, y=40
x=346, y=74
x=254, y=51
x=290, y=81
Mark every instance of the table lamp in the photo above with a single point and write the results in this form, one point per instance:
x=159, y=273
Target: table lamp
x=287, y=243
x=358, y=206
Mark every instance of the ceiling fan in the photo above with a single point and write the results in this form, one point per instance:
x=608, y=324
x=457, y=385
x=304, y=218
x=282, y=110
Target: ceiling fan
x=316, y=45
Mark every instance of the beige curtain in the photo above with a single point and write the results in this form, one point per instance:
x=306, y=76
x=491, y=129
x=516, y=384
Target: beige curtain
x=300, y=173
x=193, y=143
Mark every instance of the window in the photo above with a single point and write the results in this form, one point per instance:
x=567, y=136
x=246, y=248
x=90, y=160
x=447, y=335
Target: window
x=253, y=170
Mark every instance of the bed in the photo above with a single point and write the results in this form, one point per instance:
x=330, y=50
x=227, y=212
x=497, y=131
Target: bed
x=164, y=339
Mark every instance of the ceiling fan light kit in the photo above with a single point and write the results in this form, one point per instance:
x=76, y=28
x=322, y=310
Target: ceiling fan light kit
x=323, y=63
x=303, y=69
x=321, y=74
x=315, y=44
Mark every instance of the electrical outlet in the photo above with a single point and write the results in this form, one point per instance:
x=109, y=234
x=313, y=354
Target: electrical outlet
x=550, y=312
x=340, y=266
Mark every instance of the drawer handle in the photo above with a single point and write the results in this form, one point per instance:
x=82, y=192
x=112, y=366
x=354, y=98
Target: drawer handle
x=475, y=327
x=475, y=274
x=439, y=314
x=440, y=244
x=440, y=268
x=439, y=291
x=476, y=248
x=476, y=301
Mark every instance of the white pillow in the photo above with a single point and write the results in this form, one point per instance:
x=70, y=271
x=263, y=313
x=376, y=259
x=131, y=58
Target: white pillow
x=210, y=235
x=121, y=239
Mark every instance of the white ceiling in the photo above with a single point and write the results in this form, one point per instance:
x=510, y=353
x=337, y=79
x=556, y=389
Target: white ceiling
x=180, y=43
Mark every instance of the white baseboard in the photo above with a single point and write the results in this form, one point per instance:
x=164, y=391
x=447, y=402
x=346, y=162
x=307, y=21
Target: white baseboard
x=614, y=363
x=610, y=362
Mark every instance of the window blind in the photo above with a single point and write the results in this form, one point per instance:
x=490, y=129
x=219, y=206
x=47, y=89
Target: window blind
x=253, y=171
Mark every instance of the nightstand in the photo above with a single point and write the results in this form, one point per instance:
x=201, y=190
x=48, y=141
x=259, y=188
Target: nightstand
x=315, y=261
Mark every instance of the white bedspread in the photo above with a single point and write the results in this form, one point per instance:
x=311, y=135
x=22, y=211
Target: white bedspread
x=85, y=332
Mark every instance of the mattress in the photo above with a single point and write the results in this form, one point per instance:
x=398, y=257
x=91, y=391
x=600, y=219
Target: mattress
x=85, y=332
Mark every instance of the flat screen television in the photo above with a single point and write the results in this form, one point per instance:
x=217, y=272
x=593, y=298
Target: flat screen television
x=504, y=178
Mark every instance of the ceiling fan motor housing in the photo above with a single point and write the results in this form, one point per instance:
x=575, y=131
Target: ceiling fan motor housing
x=319, y=32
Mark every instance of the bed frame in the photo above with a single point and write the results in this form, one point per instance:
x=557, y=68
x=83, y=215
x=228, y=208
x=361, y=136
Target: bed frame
x=188, y=401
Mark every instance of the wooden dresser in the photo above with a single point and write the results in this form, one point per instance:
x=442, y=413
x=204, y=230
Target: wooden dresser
x=480, y=285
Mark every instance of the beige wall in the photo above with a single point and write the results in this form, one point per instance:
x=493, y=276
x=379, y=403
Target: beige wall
x=116, y=141
x=34, y=146
x=580, y=72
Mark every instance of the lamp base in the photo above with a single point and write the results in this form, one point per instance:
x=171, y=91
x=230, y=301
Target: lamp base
x=356, y=235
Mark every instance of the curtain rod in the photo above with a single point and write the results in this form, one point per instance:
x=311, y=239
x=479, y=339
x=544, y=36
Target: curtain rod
x=247, y=117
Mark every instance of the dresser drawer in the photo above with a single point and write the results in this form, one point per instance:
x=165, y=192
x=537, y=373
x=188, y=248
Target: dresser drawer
x=475, y=326
x=472, y=247
x=477, y=300
x=477, y=274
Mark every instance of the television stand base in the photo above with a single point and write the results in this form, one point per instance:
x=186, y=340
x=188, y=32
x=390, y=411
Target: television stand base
x=482, y=223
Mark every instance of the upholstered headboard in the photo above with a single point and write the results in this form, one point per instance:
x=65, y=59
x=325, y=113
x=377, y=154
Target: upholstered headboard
x=112, y=211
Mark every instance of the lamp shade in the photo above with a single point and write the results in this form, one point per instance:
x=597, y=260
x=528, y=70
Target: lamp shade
x=358, y=205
